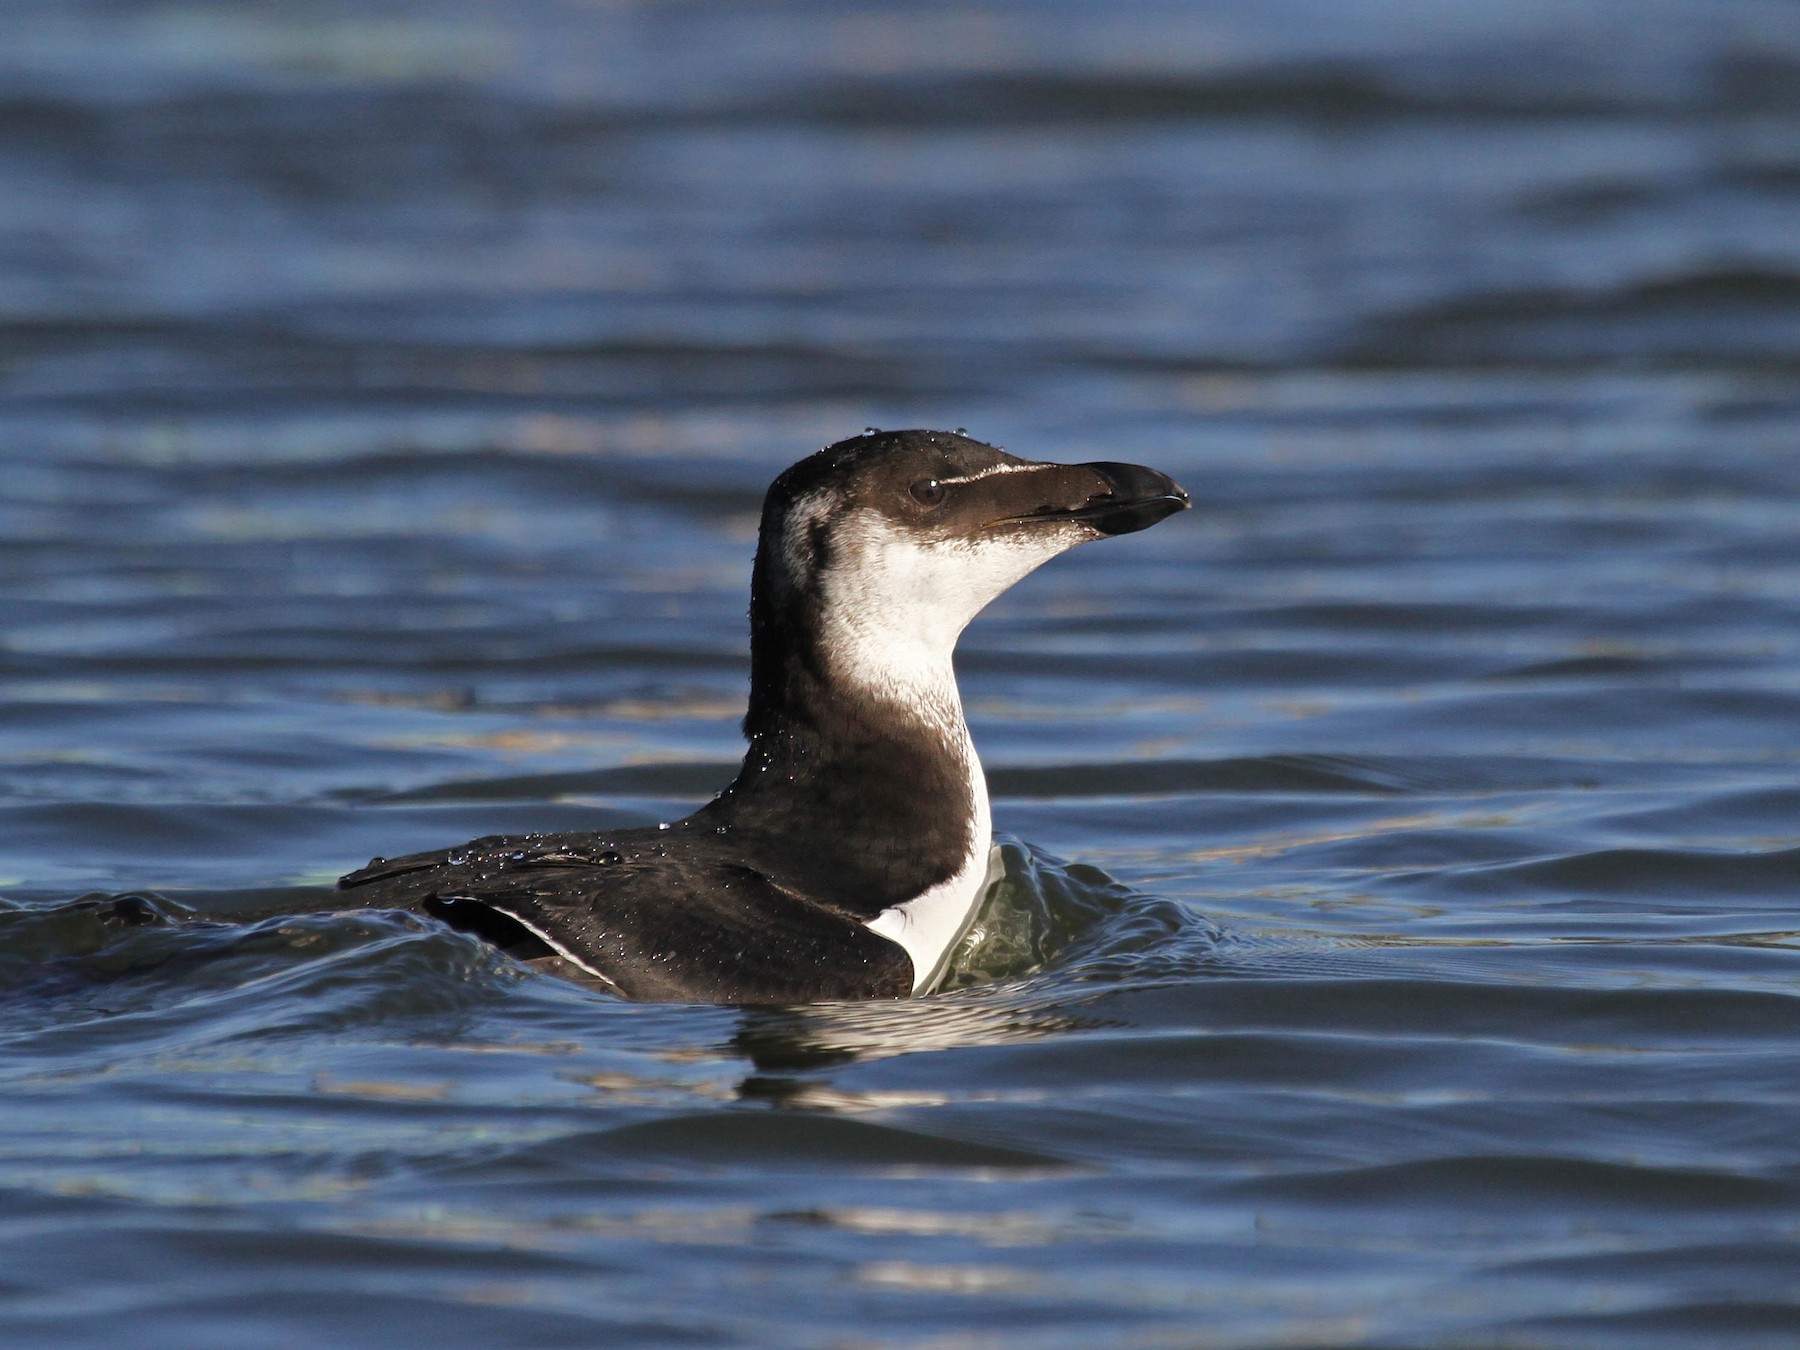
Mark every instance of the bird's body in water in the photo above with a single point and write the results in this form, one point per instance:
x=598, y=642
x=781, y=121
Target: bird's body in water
x=850, y=853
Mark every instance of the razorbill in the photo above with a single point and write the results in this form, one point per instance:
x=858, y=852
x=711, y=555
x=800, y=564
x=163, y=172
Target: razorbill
x=850, y=853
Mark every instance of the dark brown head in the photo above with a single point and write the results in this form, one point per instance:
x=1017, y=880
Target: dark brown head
x=877, y=551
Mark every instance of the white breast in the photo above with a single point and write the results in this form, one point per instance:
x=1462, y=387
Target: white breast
x=931, y=924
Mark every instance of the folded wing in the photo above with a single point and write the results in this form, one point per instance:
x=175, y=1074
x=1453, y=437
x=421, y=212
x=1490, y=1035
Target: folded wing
x=646, y=923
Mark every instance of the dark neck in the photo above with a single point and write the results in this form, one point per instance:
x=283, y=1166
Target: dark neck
x=869, y=788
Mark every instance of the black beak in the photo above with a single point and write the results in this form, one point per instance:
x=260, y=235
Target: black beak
x=1126, y=498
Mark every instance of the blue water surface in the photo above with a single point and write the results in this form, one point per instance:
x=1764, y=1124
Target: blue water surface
x=1399, y=944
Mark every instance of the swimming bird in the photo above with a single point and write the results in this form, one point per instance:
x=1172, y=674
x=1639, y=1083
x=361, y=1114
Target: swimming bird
x=848, y=857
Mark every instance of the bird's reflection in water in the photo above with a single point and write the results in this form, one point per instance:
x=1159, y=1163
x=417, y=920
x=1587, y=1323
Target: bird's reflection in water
x=830, y=1035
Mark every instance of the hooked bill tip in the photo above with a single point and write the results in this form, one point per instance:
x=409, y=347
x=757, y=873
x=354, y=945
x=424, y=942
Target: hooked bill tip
x=1141, y=497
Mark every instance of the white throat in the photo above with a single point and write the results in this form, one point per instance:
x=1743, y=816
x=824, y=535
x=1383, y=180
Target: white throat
x=894, y=603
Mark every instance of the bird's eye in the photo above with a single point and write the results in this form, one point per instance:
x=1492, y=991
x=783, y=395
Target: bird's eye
x=927, y=492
